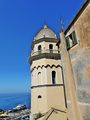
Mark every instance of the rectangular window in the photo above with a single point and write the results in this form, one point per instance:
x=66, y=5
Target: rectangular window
x=71, y=40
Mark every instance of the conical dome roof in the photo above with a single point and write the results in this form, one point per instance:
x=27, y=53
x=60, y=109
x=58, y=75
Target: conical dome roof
x=45, y=33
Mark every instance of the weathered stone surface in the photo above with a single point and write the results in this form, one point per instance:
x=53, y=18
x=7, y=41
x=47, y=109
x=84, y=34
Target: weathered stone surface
x=80, y=57
x=82, y=27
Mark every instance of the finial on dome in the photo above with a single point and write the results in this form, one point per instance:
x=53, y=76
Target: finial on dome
x=34, y=38
x=45, y=26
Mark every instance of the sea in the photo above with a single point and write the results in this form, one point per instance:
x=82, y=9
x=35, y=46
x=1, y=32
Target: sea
x=11, y=100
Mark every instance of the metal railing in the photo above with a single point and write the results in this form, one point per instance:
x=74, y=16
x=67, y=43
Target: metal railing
x=44, y=51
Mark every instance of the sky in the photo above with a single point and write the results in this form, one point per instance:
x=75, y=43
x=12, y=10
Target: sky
x=20, y=20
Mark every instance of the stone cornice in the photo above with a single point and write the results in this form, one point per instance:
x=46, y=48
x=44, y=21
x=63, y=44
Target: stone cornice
x=52, y=40
x=56, y=66
x=55, y=56
x=47, y=85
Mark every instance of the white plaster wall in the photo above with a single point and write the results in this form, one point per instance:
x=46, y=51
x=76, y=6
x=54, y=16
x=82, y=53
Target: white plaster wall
x=39, y=105
x=46, y=73
x=45, y=61
x=52, y=96
x=59, y=76
x=55, y=97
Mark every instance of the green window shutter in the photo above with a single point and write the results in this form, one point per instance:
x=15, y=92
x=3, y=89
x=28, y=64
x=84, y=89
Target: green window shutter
x=67, y=43
x=71, y=40
x=74, y=39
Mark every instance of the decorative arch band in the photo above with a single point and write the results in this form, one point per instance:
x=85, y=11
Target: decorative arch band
x=51, y=66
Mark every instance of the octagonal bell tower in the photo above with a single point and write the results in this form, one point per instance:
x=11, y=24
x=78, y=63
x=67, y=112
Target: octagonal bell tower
x=47, y=89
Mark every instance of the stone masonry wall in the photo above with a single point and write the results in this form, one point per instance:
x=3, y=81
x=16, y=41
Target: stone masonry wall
x=80, y=57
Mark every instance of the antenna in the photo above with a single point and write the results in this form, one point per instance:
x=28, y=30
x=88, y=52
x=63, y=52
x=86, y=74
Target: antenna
x=44, y=21
x=61, y=24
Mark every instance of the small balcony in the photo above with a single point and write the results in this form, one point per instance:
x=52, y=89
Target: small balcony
x=44, y=51
x=49, y=54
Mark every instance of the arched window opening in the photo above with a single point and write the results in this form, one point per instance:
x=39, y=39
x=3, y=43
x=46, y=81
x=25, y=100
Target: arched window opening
x=53, y=77
x=51, y=48
x=39, y=96
x=39, y=73
x=39, y=78
x=39, y=49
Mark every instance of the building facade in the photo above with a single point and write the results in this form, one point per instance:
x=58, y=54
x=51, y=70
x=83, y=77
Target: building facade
x=78, y=44
x=47, y=91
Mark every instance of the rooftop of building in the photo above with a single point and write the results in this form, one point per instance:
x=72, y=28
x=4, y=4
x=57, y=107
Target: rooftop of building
x=77, y=15
x=45, y=32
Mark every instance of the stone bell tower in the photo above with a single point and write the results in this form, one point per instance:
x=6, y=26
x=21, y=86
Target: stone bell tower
x=47, y=90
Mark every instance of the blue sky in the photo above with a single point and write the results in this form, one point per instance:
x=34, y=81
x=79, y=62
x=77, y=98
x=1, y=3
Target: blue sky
x=20, y=20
